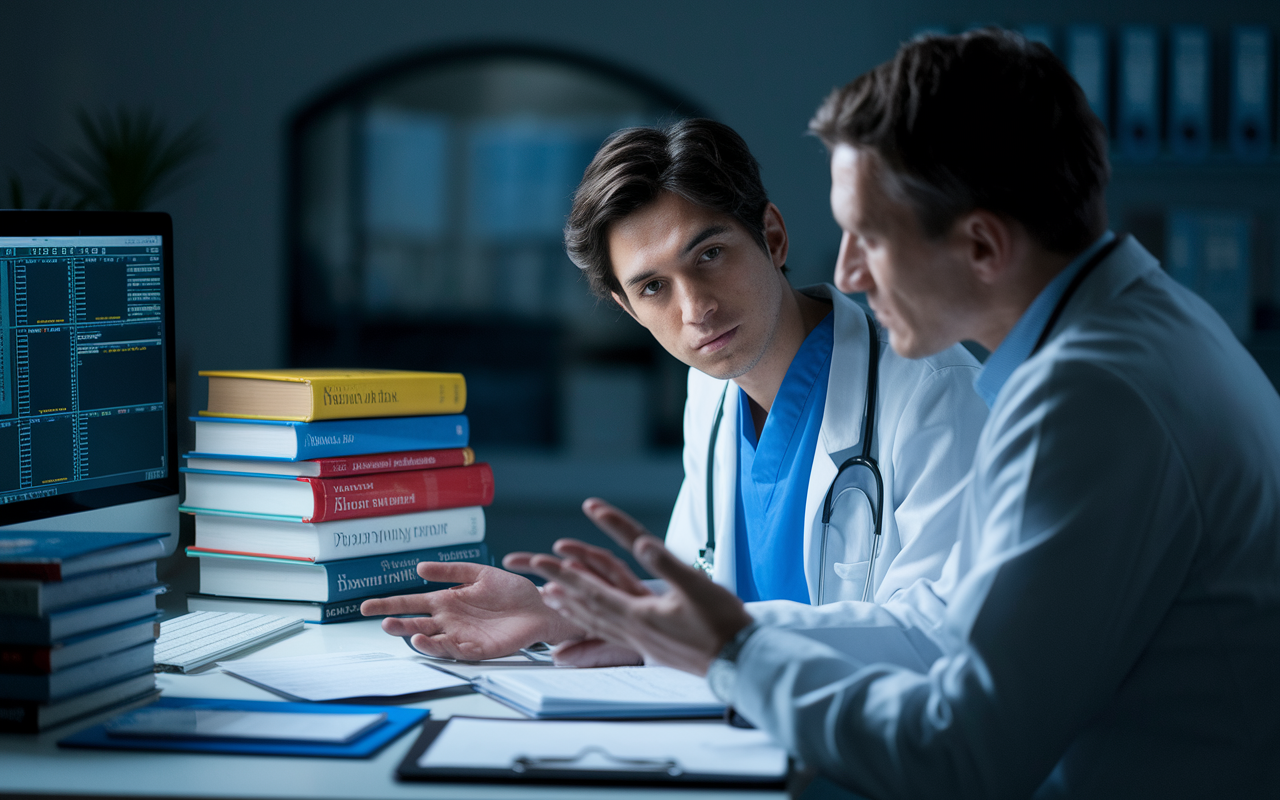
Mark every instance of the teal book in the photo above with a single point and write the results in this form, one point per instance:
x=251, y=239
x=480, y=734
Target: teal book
x=269, y=578
x=225, y=436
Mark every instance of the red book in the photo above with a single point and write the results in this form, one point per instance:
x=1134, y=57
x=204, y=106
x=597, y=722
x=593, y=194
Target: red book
x=339, y=466
x=323, y=499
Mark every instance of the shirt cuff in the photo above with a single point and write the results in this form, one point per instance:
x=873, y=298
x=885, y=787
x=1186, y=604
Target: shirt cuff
x=722, y=675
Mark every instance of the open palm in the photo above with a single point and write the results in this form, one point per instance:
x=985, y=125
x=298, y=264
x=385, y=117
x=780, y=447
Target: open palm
x=490, y=613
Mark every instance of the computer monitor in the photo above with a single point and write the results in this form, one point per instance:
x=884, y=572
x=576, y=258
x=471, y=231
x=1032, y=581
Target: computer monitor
x=88, y=416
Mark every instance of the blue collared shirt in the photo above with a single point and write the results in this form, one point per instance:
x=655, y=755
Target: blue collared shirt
x=773, y=475
x=1017, y=346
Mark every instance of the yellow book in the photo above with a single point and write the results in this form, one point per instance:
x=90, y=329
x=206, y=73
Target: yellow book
x=307, y=395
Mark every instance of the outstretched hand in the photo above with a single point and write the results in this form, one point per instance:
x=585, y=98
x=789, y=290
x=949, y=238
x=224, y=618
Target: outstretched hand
x=685, y=628
x=490, y=613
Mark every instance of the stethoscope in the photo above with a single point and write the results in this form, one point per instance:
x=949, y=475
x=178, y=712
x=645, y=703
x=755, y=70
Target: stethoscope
x=866, y=480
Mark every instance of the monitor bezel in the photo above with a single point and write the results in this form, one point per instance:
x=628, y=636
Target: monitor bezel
x=107, y=223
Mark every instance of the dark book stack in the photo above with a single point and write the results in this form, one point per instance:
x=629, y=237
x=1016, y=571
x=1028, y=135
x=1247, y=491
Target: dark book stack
x=77, y=624
x=308, y=519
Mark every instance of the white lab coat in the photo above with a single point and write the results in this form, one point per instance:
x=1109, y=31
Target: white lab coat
x=927, y=423
x=1114, y=625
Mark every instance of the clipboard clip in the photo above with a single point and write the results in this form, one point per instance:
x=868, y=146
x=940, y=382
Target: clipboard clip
x=670, y=766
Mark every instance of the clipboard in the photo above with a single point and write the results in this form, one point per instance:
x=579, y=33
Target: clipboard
x=552, y=758
x=398, y=721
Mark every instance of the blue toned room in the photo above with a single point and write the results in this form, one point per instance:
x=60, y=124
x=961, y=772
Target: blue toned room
x=370, y=306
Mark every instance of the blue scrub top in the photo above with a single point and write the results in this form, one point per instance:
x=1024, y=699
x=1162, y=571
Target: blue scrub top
x=773, y=475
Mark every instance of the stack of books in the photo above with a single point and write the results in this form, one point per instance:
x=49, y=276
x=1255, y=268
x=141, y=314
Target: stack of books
x=314, y=490
x=77, y=624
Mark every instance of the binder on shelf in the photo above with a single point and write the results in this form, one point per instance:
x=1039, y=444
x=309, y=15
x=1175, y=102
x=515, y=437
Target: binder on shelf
x=1210, y=253
x=629, y=753
x=1089, y=62
x=1189, y=130
x=1250, y=121
x=1138, y=111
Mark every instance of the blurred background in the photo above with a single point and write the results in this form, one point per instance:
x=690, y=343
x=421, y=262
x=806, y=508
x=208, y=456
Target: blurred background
x=383, y=184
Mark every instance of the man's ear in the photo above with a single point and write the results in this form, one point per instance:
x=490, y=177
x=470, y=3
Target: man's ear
x=987, y=243
x=775, y=236
x=624, y=305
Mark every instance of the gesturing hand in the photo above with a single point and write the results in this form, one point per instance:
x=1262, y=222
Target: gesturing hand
x=491, y=613
x=684, y=628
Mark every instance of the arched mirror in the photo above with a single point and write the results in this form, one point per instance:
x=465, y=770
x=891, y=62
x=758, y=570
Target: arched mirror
x=426, y=204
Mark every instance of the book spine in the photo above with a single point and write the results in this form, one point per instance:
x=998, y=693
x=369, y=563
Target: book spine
x=387, y=396
x=367, y=577
x=33, y=571
x=18, y=660
x=377, y=536
x=19, y=717
x=20, y=598
x=395, y=462
x=401, y=492
x=360, y=437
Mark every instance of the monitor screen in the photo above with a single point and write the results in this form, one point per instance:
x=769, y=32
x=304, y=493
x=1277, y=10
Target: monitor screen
x=87, y=411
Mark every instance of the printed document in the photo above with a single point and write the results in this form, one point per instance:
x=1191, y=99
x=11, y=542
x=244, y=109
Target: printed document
x=340, y=676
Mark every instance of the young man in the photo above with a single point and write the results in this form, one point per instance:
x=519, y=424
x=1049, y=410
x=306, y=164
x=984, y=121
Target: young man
x=1114, y=600
x=675, y=226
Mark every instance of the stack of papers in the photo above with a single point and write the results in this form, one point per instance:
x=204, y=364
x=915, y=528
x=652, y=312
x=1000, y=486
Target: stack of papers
x=611, y=692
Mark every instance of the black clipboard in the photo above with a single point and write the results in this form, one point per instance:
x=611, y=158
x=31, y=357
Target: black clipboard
x=632, y=772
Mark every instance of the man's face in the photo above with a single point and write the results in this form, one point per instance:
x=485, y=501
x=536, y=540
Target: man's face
x=916, y=287
x=699, y=283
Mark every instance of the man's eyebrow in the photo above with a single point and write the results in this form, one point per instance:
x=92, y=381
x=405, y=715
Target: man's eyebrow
x=643, y=277
x=707, y=233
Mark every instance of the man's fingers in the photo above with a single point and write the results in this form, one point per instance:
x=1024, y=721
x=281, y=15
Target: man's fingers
x=517, y=562
x=603, y=563
x=662, y=563
x=399, y=604
x=408, y=626
x=619, y=525
x=451, y=571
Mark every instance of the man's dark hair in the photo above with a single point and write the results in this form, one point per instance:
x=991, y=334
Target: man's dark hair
x=982, y=120
x=701, y=160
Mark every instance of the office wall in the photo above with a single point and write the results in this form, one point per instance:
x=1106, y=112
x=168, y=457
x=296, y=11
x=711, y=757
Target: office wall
x=245, y=66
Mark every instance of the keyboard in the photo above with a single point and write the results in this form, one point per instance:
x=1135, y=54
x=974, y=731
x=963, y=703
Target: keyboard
x=193, y=640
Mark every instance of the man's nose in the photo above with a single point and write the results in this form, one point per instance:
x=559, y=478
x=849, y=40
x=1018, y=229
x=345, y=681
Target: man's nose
x=852, y=274
x=696, y=303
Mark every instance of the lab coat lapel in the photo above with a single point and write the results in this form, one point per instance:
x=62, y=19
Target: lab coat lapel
x=842, y=417
x=725, y=570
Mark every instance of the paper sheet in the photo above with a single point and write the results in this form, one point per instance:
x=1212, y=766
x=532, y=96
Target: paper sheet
x=590, y=690
x=624, y=746
x=338, y=676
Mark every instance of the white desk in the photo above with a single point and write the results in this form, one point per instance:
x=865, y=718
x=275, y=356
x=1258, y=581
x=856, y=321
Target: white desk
x=33, y=766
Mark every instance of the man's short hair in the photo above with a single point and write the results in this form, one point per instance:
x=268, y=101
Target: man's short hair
x=982, y=120
x=701, y=160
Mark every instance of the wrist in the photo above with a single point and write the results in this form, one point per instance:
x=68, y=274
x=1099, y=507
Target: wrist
x=722, y=675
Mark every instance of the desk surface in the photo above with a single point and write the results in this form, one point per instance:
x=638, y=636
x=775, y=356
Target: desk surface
x=35, y=766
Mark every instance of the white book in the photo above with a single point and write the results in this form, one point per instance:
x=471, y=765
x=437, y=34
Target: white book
x=339, y=539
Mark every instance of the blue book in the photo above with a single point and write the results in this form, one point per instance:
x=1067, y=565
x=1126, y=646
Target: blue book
x=61, y=625
x=57, y=555
x=136, y=660
x=1210, y=252
x=1189, y=81
x=222, y=436
x=244, y=575
x=398, y=721
x=1250, y=130
x=1138, y=124
x=1089, y=62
